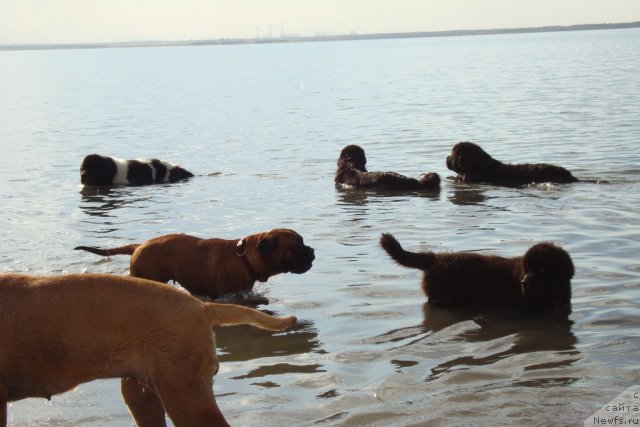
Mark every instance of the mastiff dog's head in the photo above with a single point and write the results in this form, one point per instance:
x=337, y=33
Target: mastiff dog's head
x=284, y=251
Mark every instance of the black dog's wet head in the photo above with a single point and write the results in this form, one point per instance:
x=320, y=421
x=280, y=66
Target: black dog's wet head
x=465, y=156
x=353, y=156
x=547, y=273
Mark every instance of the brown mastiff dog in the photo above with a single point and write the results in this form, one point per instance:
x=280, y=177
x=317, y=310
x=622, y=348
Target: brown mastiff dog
x=60, y=331
x=214, y=267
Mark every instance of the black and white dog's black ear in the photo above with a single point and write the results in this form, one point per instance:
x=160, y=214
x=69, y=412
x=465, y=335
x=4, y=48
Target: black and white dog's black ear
x=98, y=170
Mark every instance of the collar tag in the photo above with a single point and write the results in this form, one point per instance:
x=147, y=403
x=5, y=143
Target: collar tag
x=241, y=250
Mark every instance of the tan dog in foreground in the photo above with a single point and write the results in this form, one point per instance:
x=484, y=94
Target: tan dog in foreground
x=60, y=331
x=214, y=267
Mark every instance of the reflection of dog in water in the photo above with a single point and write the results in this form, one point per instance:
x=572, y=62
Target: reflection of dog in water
x=101, y=170
x=474, y=165
x=540, y=279
x=241, y=343
x=529, y=335
x=352, y=172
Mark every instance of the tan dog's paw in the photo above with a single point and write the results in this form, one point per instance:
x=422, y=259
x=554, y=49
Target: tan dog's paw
x=286, y=322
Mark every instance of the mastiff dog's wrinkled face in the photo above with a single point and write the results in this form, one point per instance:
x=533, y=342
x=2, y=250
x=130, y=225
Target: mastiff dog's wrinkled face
x=285, y=251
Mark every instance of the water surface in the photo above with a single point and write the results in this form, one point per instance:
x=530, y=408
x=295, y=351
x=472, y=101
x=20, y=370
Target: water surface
x=262, y=126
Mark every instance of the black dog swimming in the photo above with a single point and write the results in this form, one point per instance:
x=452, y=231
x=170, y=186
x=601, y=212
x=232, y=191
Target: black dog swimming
x=474, y=165
x=101, y=171
x=352, y=172
x=540, y=279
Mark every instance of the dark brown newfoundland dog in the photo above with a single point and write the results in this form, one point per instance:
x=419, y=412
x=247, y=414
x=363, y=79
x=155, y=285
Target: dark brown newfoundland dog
x=474, y=165
x=540, y=279
x=352, y=172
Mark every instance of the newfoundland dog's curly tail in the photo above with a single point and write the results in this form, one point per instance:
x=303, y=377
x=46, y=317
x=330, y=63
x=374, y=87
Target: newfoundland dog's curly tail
x=421, y=260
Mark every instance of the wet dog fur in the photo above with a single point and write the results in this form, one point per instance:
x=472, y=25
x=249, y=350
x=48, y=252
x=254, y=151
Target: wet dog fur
x=97, y=170
x=215, y=267
x=352, y=172
x=61, y=331
x=541, y=279
x=474, y=165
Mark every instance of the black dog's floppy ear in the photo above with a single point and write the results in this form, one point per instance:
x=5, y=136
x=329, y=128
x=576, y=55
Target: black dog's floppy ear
x=268, y=245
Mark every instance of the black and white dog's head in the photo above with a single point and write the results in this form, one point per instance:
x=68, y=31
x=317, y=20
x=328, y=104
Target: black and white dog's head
x=102, y=170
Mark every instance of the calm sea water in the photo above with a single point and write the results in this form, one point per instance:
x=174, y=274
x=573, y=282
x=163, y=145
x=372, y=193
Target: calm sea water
x=262, y=126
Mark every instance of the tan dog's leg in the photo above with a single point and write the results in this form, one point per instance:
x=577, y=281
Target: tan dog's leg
x=188, y=399
x=145, y=406
x=3, y=405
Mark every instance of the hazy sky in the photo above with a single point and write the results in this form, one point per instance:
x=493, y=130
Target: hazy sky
x=63, y=21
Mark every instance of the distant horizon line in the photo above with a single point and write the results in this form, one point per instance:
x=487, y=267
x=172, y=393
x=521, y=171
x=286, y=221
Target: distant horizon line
x=319, y=37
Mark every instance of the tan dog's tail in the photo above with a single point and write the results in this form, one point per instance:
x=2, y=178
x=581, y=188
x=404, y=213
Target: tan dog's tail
x=421, y=260
x=231, y=314
x=122, y=250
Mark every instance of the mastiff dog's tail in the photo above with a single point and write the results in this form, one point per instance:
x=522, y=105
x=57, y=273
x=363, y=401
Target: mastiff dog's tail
x=122, y=250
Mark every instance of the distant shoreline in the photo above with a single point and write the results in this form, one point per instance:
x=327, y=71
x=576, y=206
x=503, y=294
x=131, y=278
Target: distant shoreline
x=319, y=38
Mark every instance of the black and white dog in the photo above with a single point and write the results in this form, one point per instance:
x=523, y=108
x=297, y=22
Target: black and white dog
x=102, y=170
